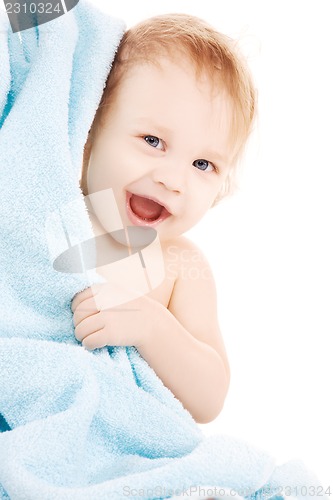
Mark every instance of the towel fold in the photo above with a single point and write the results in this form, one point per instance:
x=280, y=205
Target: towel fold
x=77, y=424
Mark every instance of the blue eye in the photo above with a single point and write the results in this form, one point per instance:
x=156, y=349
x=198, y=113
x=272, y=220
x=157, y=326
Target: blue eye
x=204, y=165
x=153, y=141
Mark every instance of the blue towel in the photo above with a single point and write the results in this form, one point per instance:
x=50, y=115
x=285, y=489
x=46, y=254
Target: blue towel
x=77, y=424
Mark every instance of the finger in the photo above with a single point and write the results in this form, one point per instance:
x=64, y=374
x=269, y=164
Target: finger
x=88, y=326
x=96, y=340
x=85, y=309
x=102, y=337
x=79, y=297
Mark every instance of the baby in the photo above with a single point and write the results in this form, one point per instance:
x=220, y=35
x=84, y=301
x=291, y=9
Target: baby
x=176, y=111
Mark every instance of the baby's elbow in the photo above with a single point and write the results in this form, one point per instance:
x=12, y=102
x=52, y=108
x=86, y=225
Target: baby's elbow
x=206, y=417
x=208, y=414
x=214, y=405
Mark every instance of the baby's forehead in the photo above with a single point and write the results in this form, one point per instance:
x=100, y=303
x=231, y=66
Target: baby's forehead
x=200, y=74
x=162, y=76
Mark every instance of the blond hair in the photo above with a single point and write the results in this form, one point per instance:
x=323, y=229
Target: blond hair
x=211, y=53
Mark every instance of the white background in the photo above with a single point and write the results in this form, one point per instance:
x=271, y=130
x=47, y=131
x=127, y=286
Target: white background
x=270, y=244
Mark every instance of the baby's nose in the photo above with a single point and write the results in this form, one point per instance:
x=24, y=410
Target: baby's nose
x=172, y=177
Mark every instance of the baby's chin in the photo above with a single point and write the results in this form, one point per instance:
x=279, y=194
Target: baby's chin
x=135, y=238
x=165, y=235
x=139, y=237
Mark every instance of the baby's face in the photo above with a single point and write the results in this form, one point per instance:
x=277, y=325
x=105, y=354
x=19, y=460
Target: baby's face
x=164, y=149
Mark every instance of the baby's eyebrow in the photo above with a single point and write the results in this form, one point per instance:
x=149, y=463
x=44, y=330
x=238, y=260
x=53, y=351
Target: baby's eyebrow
x=215, y=156
x=147, y=123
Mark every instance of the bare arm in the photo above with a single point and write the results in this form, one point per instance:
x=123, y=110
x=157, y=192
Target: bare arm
x=185, y=347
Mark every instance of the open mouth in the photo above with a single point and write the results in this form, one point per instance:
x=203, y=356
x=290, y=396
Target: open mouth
x=145, y=211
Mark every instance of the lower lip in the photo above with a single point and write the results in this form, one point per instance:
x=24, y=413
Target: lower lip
x=137, y=221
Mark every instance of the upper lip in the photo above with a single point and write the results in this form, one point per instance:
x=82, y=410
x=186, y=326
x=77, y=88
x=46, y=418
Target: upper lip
x=149, y=197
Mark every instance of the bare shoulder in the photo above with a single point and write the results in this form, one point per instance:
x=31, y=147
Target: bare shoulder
x=185, y=261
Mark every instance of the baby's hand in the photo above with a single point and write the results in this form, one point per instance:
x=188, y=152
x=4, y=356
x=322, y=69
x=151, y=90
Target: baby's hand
x=129, y=324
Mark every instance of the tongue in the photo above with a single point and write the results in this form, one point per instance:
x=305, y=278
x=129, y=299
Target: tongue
x=145, y=208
